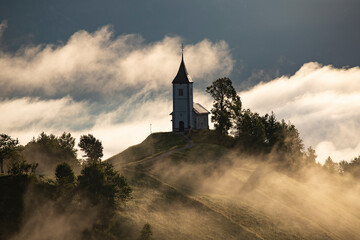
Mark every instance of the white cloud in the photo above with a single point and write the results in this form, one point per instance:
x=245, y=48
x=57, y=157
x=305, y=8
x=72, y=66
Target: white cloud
x=322, y=101
x=26, y=118
x=33, y=113
x=41, y=86
x=99, y=63
x=51, y=87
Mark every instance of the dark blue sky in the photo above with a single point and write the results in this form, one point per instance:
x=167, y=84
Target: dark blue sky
x=276, y=36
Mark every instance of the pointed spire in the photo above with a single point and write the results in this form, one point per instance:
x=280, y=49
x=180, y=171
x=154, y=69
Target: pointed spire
x=182, y=51
x=182, y=76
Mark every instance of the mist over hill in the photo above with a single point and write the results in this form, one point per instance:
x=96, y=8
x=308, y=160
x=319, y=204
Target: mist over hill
x=199, y=185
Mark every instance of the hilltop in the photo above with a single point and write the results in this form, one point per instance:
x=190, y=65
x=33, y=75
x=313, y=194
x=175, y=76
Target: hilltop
x=200, y=186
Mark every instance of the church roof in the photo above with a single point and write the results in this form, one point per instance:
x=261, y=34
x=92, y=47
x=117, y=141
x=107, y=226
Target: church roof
x=182, y=76
x=198, y=109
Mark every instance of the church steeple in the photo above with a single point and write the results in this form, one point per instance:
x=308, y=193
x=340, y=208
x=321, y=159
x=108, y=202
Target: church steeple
x=186, y=114
x=182, y=76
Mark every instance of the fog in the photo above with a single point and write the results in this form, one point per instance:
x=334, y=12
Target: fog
x=43, y=218
x=211, y=192
x=96, y=82
x=234, y=196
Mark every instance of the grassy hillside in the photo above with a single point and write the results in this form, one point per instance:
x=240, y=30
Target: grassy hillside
x=155, y=143
x=211, y=191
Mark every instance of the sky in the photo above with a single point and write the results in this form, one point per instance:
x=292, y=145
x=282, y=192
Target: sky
x=105, y=67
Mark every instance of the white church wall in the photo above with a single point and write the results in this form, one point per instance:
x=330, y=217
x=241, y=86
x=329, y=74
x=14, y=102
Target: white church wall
x=182, y=105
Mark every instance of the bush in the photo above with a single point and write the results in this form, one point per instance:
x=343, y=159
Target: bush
x=22, y=168
x=64, y=174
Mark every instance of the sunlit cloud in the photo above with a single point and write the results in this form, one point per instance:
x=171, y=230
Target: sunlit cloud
x=100, y=64
x=27, y=118
x=322, y=101
x=61, y=87
x=33, y=113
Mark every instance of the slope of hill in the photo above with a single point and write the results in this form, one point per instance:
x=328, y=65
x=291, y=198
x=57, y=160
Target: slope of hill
x=210, y=191
x=154, y=144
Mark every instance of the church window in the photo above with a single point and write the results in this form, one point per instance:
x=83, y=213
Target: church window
x=181, y=92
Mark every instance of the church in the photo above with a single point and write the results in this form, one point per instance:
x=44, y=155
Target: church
x=186, y=114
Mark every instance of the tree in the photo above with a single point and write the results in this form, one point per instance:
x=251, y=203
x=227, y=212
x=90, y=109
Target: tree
x=272, y=127
x=64, y=174
x=250, y=131
x=21, y=167
x=67, y=144
x=92, y=147
x=288, y=146
x=103, y=184
x=146, y=232
x=310, y=156
x=8, y=148
x=50, y=150
x=227, y=104
x=344, y=167
x=330, y=166
x=352, y=167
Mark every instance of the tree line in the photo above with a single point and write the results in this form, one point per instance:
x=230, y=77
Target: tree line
x=79, y=185
x=46, y=151
x=266, y=135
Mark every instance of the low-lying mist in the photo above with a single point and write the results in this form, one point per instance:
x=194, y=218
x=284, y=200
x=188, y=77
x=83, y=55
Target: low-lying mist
x=44, y=218
x=185, y=195
x=261, y=199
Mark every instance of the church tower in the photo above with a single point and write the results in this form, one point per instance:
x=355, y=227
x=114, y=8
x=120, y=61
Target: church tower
x=182, y=115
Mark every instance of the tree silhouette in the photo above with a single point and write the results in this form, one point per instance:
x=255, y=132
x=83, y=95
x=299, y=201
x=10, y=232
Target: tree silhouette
x=352, y=167
x=67, y=144
x=21, y=167
x=330, y=166
x=272, y=127
x=146, y=232
x=50, y=150
x=103, y=184
x=310, y=156
x=64, y=174
x=227, y=104
x=250, y=130
x=8, y=147
x=92, y=147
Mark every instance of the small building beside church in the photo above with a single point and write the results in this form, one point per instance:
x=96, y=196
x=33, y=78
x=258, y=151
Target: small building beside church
x=186, y=114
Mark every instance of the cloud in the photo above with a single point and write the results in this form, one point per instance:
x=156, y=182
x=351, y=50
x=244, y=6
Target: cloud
x=33, y=113
x=26, y=118
x=101, y=65
x=61, y=87
x=322, y=101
